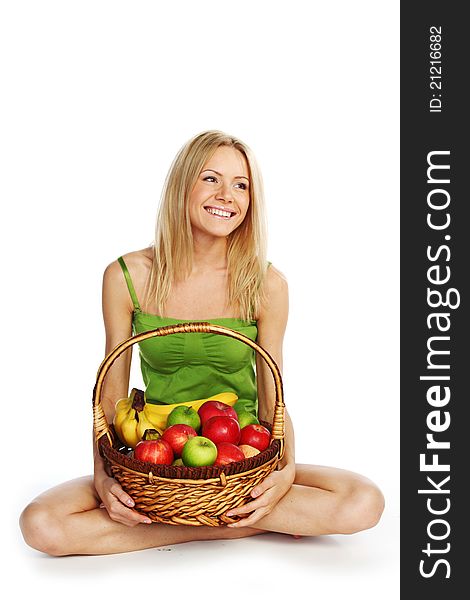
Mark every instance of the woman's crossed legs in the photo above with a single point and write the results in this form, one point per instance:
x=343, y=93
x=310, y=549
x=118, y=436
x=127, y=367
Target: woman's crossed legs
x=67, y=519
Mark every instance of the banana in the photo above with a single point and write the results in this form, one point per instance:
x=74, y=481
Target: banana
x=145, y=423
x=129, y=430
x=126, y=419
x=122, y=410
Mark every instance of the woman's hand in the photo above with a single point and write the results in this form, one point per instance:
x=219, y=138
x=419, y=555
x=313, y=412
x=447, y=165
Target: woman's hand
x=267, y=494
x=117, y=502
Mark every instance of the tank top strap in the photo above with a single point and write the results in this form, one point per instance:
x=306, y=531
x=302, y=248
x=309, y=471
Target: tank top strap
x=130, y=285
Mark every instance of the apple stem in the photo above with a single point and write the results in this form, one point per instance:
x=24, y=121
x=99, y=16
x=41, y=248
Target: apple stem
x=151, y=434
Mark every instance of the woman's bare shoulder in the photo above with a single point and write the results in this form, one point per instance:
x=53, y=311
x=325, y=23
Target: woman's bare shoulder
x=139, y=258
x=138, y=263
x=276, y=293
x=276, y=283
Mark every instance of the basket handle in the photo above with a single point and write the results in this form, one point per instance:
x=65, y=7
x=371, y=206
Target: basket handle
x=100, y=423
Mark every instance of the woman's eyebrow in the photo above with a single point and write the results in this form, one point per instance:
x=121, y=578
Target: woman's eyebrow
x=217, y=173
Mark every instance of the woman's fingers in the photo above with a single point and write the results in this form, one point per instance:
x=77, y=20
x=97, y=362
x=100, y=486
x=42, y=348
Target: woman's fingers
x=117, y=503
x=258, y=508
x=118, y=512
x=263, y=499
x=117, y=491
x=251, y=519
x=246, y=508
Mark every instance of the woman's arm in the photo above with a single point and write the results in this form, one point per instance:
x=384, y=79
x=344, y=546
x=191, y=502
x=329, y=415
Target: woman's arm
x=272, y=322
x=117, y=315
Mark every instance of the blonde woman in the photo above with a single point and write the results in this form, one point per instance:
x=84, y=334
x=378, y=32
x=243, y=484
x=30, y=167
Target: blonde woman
x=208, y=263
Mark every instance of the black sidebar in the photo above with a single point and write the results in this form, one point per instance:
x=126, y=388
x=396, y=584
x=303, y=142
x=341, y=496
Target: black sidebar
x=435, y=315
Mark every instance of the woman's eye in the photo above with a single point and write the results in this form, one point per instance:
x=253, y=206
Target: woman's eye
x=211, y=179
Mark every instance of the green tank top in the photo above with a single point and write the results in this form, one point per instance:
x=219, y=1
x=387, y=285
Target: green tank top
x=190, y=366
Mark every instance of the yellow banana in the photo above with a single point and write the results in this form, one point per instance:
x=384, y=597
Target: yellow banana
x=129, y=430
x=145, y=423
x=227, y=397
x=123, y=407
x=126, y=419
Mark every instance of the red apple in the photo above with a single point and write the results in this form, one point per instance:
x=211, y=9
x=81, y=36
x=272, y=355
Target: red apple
x=222, y=429
x=256, y=436
x=214, y=408
x=177, y=436
x=228, y=453
x=158, y=452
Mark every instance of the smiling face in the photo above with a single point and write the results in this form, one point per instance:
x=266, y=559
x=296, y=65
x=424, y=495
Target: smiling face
x=220, y=197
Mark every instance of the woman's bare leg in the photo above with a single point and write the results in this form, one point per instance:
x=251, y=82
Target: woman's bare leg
x=325, y=500
x=67, y=519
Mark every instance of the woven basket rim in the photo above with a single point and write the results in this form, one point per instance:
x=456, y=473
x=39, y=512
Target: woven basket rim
x=152, y=475
x=113, y=454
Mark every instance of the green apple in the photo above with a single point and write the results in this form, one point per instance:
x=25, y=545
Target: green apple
x=199, y=451
x=186, y=415
x=246, y=418
x=178, y=463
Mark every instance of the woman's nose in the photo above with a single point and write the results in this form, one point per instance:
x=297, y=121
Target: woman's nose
x=225, y=193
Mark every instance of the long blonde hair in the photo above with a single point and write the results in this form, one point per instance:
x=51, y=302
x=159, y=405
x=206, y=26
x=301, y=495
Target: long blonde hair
x=173, y=246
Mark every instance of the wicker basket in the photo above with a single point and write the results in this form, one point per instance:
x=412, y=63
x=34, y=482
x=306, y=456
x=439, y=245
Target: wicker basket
x=187, y=495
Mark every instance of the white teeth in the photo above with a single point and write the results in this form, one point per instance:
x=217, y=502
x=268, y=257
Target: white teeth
x=218, y=212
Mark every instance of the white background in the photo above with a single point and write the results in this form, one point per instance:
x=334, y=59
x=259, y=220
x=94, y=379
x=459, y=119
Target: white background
x=97, y=98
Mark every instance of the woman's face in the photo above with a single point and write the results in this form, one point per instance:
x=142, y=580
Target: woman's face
x=220, y=198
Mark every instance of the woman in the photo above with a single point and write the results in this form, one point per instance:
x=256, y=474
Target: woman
x=208, y=263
